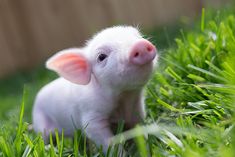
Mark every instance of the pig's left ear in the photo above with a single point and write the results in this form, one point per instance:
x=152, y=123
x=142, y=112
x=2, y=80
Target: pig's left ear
x=71, y=65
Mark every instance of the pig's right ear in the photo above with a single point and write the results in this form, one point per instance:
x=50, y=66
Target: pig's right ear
x=71, y=65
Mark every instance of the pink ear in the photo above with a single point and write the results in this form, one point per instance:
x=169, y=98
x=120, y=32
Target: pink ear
x=72, y=66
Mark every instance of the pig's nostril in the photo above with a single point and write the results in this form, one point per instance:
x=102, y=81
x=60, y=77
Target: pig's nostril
x=149, y=48
x=136, y=54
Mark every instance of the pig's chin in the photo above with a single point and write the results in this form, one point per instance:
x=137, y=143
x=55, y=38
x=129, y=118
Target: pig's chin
x=137, y=76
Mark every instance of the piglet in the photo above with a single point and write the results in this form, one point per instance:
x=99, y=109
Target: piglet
x=100, y=85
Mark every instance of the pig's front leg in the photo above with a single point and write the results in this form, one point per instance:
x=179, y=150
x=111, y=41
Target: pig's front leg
x=97, y=128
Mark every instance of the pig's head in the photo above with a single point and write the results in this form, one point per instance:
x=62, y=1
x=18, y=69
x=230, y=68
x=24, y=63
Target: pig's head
x=117, y=57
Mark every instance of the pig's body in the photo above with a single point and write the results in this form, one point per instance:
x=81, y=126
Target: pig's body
x=101, y=85
x=68, y=100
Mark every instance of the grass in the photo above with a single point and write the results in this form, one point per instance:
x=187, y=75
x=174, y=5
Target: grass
x=190, y=101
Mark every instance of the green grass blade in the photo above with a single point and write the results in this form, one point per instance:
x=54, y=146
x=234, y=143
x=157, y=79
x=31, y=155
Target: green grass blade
x=61, y=144
x=168, y=106
x=5, y=147
x=21, y=126
x=203, y=20
x=52, y=149
x=206, y=72
x=75, y=144
x=141, y=143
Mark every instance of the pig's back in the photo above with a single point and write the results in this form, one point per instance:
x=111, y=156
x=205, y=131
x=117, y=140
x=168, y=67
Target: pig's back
x=55, y=102
x=54, y=92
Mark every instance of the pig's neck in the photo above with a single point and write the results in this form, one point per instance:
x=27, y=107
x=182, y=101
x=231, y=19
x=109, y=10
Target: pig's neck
x=128, y=108
x=115, y=91
x=125, y=96
x=117, y=95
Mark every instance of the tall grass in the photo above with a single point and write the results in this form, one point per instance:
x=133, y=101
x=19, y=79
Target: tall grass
x=192, y=95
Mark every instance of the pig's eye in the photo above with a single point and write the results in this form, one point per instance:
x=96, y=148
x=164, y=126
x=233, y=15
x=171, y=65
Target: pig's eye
x=101, y=57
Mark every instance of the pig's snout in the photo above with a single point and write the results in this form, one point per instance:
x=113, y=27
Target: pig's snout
x=142, y=52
